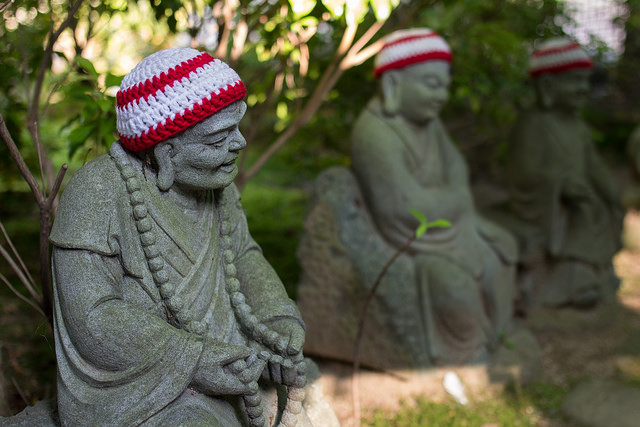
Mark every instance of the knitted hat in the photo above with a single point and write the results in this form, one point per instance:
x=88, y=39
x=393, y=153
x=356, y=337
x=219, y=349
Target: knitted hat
x=170, y=91
x=406, y=47
x=557, y=55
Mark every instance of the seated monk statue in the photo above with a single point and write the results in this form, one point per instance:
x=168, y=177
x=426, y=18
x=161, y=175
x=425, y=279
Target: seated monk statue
x=564, y=206
x=457, y=287
x=166, y=311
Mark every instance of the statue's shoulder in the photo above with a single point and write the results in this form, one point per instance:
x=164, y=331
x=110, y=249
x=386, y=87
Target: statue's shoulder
x=372, y=128
x=87, y=206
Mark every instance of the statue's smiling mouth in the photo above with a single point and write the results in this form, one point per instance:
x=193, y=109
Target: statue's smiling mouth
x=228, y=165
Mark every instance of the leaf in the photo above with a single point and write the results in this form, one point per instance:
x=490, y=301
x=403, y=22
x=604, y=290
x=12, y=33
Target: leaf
x=78, y=136
x=86, y=65
x=422, y=228
x=112, y=80
x=419, y=215
x=442, y=223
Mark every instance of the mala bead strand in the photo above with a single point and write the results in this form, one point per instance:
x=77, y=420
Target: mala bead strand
x=257, y=330
x=262, y=334
x=148, y=238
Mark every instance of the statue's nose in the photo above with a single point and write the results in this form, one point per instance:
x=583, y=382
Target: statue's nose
x=237, y=142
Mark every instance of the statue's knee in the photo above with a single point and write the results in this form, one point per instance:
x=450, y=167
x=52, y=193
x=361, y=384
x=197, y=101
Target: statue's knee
x=450, y=286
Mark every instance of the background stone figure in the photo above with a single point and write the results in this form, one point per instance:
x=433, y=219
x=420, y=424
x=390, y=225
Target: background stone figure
x=450, y=298
x=166, y=312
x=563, y=206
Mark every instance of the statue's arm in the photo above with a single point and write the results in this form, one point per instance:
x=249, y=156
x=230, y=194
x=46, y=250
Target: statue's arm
x=107, y=331
x=260, y=284
x=601, y=179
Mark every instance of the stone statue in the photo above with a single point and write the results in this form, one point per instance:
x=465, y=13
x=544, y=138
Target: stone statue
x=564, y=206
x=166, y=312
x=449, y=299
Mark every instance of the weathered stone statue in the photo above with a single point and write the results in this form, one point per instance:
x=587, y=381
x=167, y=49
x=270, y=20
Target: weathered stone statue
x=449, y=299
x=564, y=206
x=166, y=312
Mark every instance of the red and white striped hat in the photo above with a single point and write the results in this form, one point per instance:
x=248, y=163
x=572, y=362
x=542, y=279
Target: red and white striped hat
x=170, y=91
x=406, y=47
x=557, y=55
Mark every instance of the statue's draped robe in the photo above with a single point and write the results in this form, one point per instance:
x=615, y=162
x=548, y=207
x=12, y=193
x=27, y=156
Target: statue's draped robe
x=465, y=272
x=548, y=156
x=119, y=360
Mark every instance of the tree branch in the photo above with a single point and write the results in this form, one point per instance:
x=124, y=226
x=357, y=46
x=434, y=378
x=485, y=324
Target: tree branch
x=17, y=157
x=19, y=295
x=20, y=274
x=16, y=254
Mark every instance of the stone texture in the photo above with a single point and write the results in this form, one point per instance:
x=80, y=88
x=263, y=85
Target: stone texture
x=603, y=403
x=333, y=287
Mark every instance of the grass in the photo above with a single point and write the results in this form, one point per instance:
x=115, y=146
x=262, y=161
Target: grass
x=537, y=404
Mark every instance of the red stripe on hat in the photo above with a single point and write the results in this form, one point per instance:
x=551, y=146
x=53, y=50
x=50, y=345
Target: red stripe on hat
x=553, y=50
x=583, y=63
x=184, y=120
x=150, y=86
x=414, y=59
x=408, y=39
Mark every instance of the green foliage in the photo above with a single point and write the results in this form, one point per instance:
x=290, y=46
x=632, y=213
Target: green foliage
x=275, y=220
x=92, y=109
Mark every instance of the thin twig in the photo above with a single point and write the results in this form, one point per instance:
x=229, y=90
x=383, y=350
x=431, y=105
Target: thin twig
x=19, y=273
x=355, y=387
x=4, y=5
x=20, y=392
x=16, y=254
x=19, y=295
x=17, y=157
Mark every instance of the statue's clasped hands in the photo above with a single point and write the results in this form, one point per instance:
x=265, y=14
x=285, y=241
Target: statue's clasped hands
x=287, y=367
x=225, y=369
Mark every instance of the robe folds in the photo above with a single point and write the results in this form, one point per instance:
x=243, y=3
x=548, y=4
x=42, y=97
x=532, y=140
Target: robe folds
x=465, y=272
x=120, y=361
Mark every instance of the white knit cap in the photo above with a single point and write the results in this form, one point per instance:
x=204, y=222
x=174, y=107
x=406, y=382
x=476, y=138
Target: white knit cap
x=170, y=91
x=406, y=47
x=557, y=55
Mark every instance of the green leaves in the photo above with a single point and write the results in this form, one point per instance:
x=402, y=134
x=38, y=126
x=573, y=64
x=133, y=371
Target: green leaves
x=425, y=225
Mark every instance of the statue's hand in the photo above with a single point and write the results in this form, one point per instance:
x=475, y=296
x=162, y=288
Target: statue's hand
x=227, y=369
x=287, y=367
x=291, y=335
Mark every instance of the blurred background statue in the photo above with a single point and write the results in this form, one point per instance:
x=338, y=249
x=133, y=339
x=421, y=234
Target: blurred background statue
x=564, y=205
x=449, y=298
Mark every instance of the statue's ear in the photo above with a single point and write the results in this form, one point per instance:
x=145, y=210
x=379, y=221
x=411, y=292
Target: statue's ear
x=390, y=92
x=546, y=91
x=166, y=172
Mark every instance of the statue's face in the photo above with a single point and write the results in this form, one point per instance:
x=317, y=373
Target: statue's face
x=424, y=90
x=204, y=155
x=568, y=90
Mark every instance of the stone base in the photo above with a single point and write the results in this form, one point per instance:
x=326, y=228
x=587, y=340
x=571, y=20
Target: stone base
x=603, y=403
x=316, y=406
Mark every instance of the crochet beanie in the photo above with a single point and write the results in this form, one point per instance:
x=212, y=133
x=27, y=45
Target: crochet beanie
x=557, y=55
x=170, y=91
x=406, y=47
